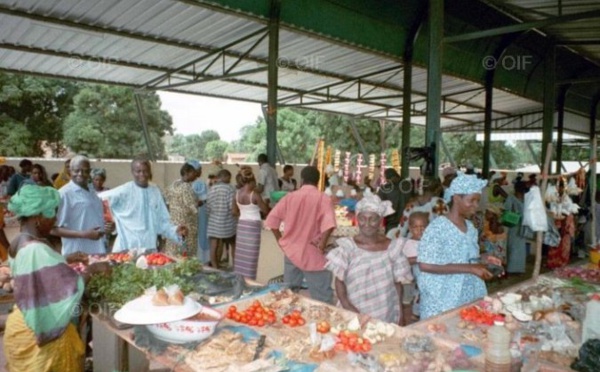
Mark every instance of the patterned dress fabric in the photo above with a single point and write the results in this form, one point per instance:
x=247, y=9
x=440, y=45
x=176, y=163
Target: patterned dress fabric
x=370, y=277
x=443, y=243
x=221, y=223
x=182, y=203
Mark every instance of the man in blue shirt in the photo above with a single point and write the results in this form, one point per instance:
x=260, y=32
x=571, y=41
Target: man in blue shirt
x=17, y=179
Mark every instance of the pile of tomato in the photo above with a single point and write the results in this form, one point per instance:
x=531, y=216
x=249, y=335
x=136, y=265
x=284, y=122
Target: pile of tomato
x=119, y=257
x=294, y=319
x=255, y=315
x=478, y=315
x=351, y=341
x=157, y=259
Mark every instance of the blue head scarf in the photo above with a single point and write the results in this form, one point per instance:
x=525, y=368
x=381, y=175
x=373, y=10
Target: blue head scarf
x=464, y=184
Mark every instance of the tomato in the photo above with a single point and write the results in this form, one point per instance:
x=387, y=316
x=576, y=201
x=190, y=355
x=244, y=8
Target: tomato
x=323, y=327
x=232, y=308
x=260, y=323
x=295, y=314
x=286, y=319
x=293, y=322
x=271, y=319
x=301, y=321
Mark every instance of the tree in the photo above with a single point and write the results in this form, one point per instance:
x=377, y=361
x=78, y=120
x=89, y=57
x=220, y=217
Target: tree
x=33, y=110
x=193, y=146
x=215, y=150
x=104, y=123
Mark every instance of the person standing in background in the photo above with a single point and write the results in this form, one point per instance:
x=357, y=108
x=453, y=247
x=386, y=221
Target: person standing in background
x=201, y=190
x=18, y=178
x=182, y=202
x=38, y=176
x=267, y=179
x=287, y=182
x=98, y=179
x=221, y=222
x=247, y=206
x=63, y=176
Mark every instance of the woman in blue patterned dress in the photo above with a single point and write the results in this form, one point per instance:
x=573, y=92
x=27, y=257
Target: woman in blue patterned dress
x=450, y=272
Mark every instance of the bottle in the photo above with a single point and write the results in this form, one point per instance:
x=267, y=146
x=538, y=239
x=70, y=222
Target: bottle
x=497, y=353
x=591, y=322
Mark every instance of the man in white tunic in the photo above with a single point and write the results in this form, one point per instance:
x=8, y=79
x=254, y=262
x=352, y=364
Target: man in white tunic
x=139, y=211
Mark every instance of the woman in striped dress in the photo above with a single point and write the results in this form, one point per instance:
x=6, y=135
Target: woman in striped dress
x=247, y=206
x=221, y=222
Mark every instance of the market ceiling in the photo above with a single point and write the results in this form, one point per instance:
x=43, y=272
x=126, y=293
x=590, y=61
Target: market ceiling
x=343, y=56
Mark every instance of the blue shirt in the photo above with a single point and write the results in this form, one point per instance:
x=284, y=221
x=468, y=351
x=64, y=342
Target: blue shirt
x=80, y=210
x=443, y=243
x=140, y=214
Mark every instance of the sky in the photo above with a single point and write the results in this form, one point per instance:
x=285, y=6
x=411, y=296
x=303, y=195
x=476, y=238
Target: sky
x=192, y=114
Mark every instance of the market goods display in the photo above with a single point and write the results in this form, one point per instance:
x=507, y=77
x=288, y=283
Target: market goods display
x=255, y=315
x=127, y=282
x=169, y=296
x=193, y=329
x=589, y=273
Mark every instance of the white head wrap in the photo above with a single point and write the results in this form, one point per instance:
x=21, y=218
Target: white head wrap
x=372, y=203
x=464, y=184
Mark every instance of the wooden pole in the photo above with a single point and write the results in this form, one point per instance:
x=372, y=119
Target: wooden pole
x=539, y=235
x=314, y=155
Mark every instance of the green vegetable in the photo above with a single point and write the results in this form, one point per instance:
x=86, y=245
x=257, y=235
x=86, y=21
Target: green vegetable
x=127, y=282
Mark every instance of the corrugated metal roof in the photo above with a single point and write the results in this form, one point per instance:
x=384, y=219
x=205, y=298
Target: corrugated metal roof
x=137, y=43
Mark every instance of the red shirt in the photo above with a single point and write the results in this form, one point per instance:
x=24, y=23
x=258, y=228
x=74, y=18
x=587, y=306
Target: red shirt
x=306, y=215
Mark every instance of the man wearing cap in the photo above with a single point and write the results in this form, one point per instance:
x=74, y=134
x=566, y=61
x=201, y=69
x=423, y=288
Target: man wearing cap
x=451, y=272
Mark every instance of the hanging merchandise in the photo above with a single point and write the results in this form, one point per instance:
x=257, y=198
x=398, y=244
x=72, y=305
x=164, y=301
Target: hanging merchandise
x=534, y=212
x=347, y=167
x=396, y=160
x=371, y=166
x=572, y=187
x=382, y=162
x=580, y=178
x=336, y=160
x=328, y=156
x=359, y=162
x=561, y=203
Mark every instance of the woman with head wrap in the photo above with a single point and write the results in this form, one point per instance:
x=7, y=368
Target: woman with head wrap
x=450, y=272
x=369, y=268
x=98, y=177
x=247, y=206
x=493, y=237
x=182, y=204
x=39, y=335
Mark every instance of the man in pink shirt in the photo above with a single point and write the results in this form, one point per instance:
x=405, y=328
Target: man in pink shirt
x=308, y=218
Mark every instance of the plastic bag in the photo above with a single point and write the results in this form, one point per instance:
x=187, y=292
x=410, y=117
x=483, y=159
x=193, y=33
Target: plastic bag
x=534, y=211
x=589, y=357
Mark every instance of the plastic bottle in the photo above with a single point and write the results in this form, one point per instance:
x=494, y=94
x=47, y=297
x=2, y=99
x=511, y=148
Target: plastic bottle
x=497, y=353
x=591, y=322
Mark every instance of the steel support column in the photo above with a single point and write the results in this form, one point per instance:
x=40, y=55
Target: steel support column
x=434, y=78
x=142, y=118
x=487, y=125
x=593, y=165
x=561, y=125
x=273, y=81
x=549, y=100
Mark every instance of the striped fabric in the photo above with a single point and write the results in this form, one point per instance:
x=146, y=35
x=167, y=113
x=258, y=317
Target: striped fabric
x=47, y=290
x=370, y=277
x=80, y=210
x=221, y=223
x=247, y=247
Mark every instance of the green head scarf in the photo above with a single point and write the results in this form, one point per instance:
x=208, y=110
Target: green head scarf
x=32, y=200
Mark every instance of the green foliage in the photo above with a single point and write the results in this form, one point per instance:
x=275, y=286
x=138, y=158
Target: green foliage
x=104, y=123
x=127, y=282
x=33, y=110
x=215, y=150
x=193, y=146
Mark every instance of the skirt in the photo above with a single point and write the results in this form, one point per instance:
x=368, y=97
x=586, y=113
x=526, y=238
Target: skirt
x=247, y=247
x=65, y=354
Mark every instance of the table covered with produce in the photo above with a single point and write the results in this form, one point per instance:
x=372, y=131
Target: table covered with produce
x=545, y=315
x=189, y=318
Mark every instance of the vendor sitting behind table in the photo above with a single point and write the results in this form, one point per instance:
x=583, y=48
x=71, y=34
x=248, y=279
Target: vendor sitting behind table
x=39, y=335
x=369, y=268
x=139, y=211
x=450, y=273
